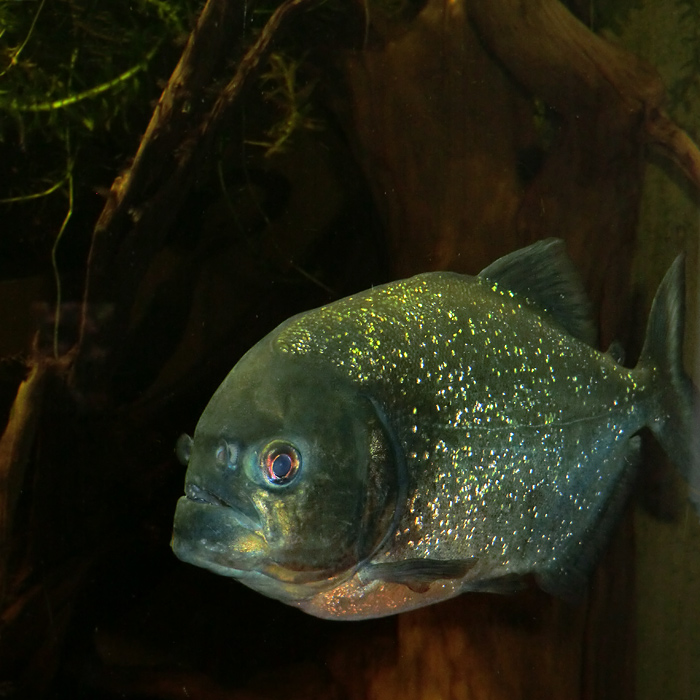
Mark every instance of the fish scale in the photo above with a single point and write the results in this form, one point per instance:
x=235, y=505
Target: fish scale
x=499, y=389
x=431, y=436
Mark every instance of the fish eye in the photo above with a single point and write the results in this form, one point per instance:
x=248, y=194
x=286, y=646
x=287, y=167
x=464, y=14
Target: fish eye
x=280, y=462
x=183, y=449
x=225, y=454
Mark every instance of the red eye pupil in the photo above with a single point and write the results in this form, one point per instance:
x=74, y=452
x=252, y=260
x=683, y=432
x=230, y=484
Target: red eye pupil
x=281, y=462
x=281, y=466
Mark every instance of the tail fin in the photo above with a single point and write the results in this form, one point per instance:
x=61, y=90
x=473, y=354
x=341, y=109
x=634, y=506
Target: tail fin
x=677, y=421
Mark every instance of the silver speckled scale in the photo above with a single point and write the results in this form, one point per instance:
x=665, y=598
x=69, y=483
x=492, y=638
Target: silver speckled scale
x=514, y=434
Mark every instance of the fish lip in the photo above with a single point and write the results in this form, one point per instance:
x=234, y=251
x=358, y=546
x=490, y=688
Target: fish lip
x=198, y=494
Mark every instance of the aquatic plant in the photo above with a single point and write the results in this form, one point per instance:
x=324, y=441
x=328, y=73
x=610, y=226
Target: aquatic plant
x=290, y=95
x=72, y=71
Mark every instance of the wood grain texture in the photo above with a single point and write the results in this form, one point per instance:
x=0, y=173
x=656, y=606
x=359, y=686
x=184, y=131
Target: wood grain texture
x=461, y=84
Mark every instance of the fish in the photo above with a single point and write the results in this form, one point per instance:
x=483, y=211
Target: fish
x=432, y=436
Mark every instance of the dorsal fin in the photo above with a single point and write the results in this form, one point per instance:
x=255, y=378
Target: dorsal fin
x=544, y=274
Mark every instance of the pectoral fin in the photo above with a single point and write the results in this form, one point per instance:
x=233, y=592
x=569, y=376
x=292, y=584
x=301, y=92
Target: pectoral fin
x=418, y=574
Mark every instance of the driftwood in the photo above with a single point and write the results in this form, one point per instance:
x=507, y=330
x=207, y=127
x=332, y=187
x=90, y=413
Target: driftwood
x=439, y=111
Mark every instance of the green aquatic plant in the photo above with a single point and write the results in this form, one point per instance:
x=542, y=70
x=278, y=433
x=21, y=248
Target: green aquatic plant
x=72, y=70
x=74, y=74
x=55, y=58
x=289, y=93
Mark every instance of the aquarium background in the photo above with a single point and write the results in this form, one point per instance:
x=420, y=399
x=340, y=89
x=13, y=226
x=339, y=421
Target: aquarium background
x=373, y=141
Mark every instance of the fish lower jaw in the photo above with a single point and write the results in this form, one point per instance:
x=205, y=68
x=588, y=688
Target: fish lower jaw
x=211, y=555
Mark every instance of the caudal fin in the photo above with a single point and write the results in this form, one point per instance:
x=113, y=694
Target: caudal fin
x=677, y=420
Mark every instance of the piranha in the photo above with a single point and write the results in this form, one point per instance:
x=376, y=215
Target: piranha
x=431, y=436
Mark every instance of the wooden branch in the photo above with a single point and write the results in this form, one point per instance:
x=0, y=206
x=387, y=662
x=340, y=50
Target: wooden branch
x=145, y=202
x=673, y=143
x=581, y=75
x=442, y=127
x=556, y=57
x=115, y=266
x=16, y=447
x=611, y=102
x=157, y=153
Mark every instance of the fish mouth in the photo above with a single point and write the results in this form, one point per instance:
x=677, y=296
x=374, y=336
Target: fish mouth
x=247, y=518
